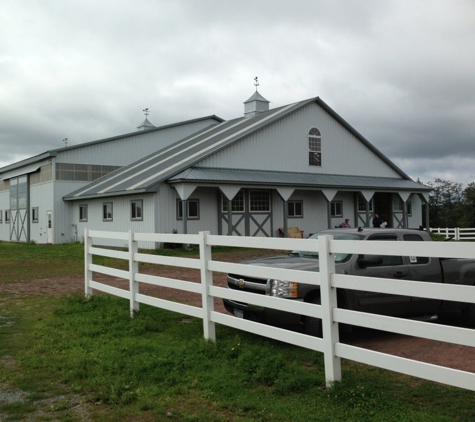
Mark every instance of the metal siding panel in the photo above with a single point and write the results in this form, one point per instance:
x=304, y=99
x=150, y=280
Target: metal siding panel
x=41, y=196
x=208, y=220
x=121, y=218
x=4, y=205
x=285, y=145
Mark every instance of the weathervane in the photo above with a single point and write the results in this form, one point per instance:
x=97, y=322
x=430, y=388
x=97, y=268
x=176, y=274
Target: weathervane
x=256, y=82
x=65, y=140
x=145, y=111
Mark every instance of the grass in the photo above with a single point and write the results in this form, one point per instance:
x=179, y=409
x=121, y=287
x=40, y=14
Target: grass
x=71, y=359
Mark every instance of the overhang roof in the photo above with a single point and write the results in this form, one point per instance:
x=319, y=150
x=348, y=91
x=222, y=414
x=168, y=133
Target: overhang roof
x=202, y=175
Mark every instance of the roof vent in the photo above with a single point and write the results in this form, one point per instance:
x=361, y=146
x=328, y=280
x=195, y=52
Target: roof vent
x=145, y=125
x=256, y=104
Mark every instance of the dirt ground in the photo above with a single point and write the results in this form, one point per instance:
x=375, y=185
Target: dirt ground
x=435, y=352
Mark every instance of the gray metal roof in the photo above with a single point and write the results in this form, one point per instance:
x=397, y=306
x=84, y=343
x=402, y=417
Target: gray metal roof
x=145, y=174
x=256, y=97
x=146, y=124
x=53, y=152
x=297, y=180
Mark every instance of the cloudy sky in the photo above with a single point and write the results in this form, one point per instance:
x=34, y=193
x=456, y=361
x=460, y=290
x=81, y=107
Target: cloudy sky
x=400, y=72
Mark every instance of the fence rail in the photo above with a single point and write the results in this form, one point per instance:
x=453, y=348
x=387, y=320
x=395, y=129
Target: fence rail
x=456, y=233
x=326, y=278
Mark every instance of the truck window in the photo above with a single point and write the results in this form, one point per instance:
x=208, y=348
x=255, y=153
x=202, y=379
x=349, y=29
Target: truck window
x=414, y=237
x=387, y=259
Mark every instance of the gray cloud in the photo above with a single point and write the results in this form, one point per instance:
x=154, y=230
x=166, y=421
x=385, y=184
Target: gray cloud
x=400, y=72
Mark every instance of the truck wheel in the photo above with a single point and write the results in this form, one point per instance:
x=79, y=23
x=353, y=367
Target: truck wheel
x=469, y=314
x=313, y=326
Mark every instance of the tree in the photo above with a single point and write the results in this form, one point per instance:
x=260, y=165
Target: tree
x=446, y=204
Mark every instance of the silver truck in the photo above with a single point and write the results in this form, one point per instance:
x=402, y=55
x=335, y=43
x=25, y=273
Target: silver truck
x=422, y=269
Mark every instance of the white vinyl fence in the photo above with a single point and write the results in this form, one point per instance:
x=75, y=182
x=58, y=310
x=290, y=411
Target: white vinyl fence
x=327, y=279
x=455, y=233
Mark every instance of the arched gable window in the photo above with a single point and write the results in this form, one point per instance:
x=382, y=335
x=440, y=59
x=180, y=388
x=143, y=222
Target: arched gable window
x=314, y=147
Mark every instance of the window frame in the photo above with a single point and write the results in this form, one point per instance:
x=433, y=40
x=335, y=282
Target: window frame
x=105, y=206
x=34, y=215
x=254, y=206
x=292, y=204
x=179, y=209
x=314, y=147
x=1, y=216
x=362, y=204
x=7, y=216
x=134, y=210
x=333, y=208
x=398, y=206
x=237, y=203
x=81, y=214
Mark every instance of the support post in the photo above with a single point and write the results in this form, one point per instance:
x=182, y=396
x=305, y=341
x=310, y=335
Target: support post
x=328, y=303
x=87, y=264
x=209, y=328
x=286, y=216
x=184, y=207
x=427, y=217
x=230, y=217
x=133, y=269
x=367, y=214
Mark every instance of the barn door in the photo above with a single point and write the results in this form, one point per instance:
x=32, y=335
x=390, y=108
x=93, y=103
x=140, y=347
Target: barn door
x=19, y=224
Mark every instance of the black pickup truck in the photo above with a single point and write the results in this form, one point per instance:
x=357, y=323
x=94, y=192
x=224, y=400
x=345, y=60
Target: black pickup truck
x=435, y=270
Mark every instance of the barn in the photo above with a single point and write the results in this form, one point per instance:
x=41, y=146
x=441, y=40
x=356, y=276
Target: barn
x=300, y=165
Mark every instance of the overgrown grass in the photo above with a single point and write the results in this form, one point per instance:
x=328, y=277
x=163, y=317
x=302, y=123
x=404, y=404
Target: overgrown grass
x=75, y=359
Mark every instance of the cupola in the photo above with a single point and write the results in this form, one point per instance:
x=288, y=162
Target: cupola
x=256, y=104
x=145, y=125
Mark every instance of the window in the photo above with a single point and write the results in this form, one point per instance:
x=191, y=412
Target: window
x=34, y=215
x=136, y=210
x=295, y=209
x=237, y=204
x=388, y=260
x=82, y=172
x=398, y=206
x=336, y=209
x=314, y=147
x=362, y=204
x=107, y=211
x=7, y=216
x=83, y=212
x=259, y=201
x=1, y=216
x=192, y=208
x=416, y=259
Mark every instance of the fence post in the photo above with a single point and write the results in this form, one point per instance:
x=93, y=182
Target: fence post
x=328, y=300
x=207, y=300
x=133, y=269
x=457, y=233
x=87, y=263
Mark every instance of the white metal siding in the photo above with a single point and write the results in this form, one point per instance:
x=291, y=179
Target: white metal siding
x=121, y=220
x=41, y=196
x=4, y=205
x=167, y=217
x=284, y=147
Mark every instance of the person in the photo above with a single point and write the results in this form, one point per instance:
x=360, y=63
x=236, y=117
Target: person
x=346, y=223
x=377, y=221
x=384, y=223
